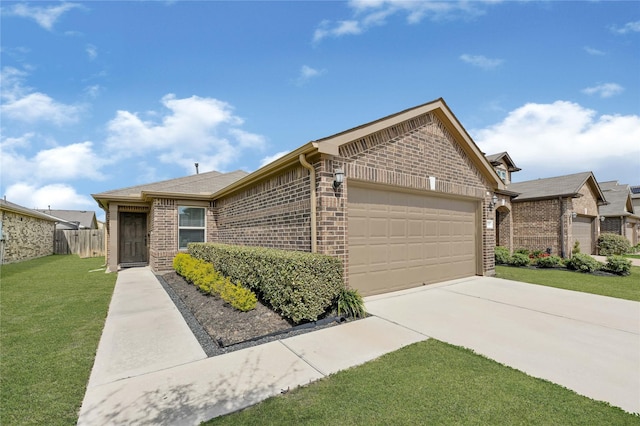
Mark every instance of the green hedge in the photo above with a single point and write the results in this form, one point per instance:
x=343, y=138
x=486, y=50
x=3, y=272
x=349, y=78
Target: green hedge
x=613, y=244
x=202, y=275
x=300, y=286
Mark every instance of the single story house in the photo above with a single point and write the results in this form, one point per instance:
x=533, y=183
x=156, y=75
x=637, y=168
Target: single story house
x=555, y=213
x=24, y=233
x=620, y=216
x=403, y=201
x=73, y=219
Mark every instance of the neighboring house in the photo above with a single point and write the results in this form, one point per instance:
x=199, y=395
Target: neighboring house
x=24, y=233
x=620, y=216
x=73, y=219
x=554, y=213
x=413, y=207
x=635, y=197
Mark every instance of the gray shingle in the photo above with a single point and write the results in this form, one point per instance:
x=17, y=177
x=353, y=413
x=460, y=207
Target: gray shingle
x=550, y=187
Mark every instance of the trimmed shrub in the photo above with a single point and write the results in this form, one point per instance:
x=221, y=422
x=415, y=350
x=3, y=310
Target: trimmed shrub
x=350, y=303
x=300, y=286
x=549, y=262
x=502, y=255
x=576, y=247
x=613, y=244
x=522, y=251
x=583, y=263
x=520, y=259
x=618, y=265
x=202, y=275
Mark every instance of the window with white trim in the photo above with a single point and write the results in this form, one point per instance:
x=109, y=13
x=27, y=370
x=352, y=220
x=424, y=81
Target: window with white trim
x=502, y=174
x=191, y=225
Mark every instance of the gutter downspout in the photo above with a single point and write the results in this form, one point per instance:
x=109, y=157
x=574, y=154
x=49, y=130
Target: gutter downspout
x=312, y=175
x=562, y=253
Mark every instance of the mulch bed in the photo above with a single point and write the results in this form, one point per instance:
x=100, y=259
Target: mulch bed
x=221, y=329
x=226, y=325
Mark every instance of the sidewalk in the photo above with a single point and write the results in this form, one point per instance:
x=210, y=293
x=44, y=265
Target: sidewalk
x=634, y=262
x=150, y=369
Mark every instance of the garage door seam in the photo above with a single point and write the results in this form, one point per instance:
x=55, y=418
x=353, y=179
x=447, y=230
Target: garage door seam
x=540, y=312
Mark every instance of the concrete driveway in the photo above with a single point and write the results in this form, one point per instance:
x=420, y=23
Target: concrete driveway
x=587, y=343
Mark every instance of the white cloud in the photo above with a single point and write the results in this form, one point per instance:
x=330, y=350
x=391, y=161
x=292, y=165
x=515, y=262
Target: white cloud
x=592, y=51
x=58, y=196
x=93, y=91
x=481, y=61
x=562, y=138
x=21, y=103
x=369, y=13
x=605, y=90
x=40, y=107
x=46, y=17
x=195, y=129
x=307, y=73
x=272, y=158
x=629, y=27
x=92, y=51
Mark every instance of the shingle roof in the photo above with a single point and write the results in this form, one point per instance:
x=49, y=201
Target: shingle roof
x=496, y=158
x=619, y=198
x=203, y=183
x=85, y=218
x=565, y=186
x=7, y=205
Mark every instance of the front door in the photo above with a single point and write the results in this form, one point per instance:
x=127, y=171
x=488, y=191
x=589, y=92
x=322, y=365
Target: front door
x=133, y=238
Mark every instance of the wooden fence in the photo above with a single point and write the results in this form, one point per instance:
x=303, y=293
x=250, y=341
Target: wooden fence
x=83, y=242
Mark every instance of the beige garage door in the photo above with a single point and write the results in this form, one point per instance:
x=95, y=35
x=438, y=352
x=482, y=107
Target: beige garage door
x=582, y=230
x=399, y=240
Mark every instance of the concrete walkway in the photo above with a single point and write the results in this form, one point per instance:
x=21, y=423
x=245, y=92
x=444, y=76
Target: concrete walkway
x=149, y=368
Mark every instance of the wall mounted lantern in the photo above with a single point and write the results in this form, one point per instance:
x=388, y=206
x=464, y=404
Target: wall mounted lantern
x=602, y=218
x=338, y=178
x=574, y=215
x=493, y=202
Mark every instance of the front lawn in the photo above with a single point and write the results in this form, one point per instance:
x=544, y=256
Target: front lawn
x=430, y=382
x=614, y=286
x=52, y=312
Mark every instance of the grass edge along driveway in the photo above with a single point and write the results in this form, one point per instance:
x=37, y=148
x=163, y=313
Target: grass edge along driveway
x=430, y=382
x=433, y=382
x=52, y=312
x=613, y=286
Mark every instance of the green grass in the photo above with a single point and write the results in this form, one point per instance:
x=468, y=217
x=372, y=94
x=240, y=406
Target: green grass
x=52, y=313
x=632, y=256
x=614, y=286
x=430, y=383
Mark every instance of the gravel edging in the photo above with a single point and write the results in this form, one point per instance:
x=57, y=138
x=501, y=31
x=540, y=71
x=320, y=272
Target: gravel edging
x=209, y=345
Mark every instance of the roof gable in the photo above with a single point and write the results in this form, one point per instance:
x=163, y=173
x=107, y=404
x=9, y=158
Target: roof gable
x=503, y=157
x=619, y=198
x=84, y=218
x=559, y=186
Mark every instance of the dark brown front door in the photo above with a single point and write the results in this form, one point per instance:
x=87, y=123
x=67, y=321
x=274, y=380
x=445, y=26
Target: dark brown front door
x=133, y=238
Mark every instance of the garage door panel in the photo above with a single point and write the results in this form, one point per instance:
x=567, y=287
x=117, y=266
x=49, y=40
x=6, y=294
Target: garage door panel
x=582, y=230
x=413, y=240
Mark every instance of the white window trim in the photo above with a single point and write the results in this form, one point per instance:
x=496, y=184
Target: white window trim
x=203, y=228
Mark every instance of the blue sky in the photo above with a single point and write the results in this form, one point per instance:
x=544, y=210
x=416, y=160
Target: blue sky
x=103, y=95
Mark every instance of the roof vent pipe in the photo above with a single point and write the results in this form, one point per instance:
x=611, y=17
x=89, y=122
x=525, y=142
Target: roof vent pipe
x=197, y=168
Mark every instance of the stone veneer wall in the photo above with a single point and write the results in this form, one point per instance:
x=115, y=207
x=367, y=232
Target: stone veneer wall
x=26, y=237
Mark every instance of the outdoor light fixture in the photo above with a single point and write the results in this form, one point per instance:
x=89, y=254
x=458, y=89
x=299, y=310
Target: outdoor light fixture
x=338, y=178
x=602, y=218
x=574, y=215
x=494, y=201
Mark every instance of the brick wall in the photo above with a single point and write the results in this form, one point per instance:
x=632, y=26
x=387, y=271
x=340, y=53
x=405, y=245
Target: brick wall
x=611, y=225
x=537, y=225
x=26, y=237
x=273, y=213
